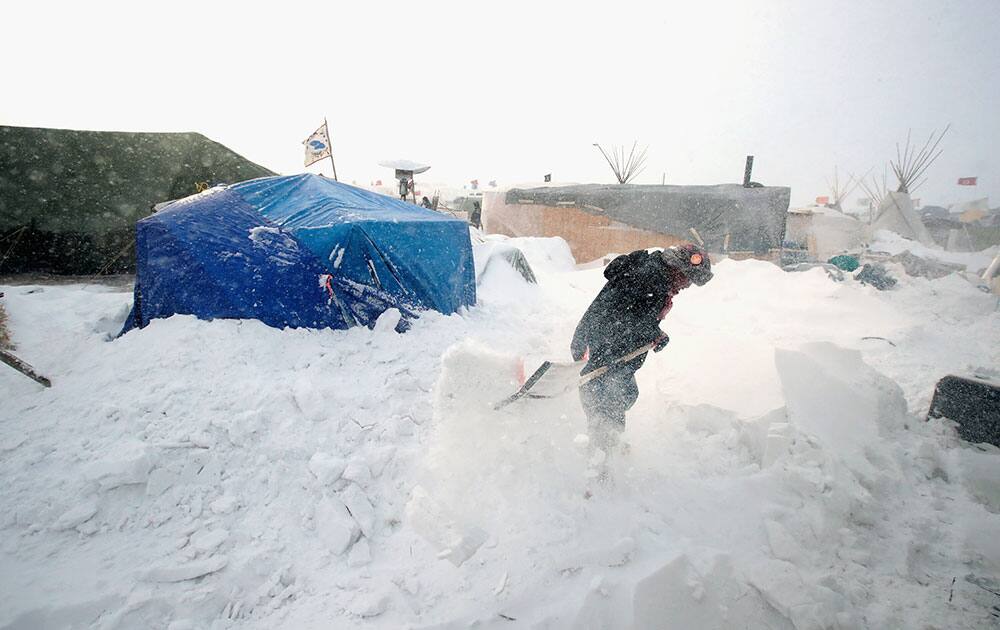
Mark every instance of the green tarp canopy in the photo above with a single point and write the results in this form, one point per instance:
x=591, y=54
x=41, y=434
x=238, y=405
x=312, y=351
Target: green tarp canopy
x=69, y=199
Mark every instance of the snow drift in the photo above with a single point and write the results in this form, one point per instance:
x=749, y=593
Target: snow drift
x=226, y=474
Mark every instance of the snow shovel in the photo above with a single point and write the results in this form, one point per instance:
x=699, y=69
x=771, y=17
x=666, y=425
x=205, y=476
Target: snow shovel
x=23, y=368
x=553, y=379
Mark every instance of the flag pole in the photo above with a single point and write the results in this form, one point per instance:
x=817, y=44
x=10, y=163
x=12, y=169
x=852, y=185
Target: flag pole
x=332, y=163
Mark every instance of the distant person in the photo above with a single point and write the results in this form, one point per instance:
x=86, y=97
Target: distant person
x=475, y=217
x=426, y=203
x=404, y=188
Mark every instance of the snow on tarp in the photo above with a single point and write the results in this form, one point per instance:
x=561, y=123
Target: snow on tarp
x=421, y=256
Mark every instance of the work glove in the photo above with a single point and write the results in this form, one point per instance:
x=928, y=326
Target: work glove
x=661, y=343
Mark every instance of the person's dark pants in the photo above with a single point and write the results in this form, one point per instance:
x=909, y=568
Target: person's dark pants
x=605, y=401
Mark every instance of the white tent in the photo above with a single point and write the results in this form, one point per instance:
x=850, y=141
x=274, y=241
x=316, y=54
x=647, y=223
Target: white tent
x=896, y=214
x=825, y=231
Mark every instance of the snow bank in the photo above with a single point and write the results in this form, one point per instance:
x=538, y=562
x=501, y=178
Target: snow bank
x=227, y=474
x=544, y=254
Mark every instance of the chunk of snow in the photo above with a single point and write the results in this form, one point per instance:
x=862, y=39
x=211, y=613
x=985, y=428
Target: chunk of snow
x=189, y=571
x=783, y=546
x=357, y=470
x=208, y=541
x=454, y=541
x=777, y=443
x=502, y=584
x=360, y=507
x=223, y=505
x=808, y=607
x=129, y=464
x=335, y=526
x=259, y=234
x=369, y=605
x=360, y=554
x=388, y=320
x=621, y=553
x=832, y=394
x=76, y=516
x=326, y=468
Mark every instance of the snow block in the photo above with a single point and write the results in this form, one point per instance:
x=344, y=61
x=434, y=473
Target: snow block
x=473, y=377
x=454, y=541
x=360, y=555
x=369, y=605
x=76, y=516
x=129, y=464
x=335, y=526
x=681, y=594
x=361, y=509
x=980, y=471
x=834, y=396
x=207, y=541
x=783, y=545
x=777, y=443
x=189, y=571
x=809, y=607
x=326, y=468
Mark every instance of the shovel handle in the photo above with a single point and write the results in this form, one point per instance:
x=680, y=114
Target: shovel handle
x=589, y=376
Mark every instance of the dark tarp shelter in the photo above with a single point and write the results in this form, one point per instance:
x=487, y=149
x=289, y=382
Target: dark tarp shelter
x=754, y=218
x=69, y=200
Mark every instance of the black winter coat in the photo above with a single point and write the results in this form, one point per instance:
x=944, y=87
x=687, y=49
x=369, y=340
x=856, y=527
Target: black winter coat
x=625, y=315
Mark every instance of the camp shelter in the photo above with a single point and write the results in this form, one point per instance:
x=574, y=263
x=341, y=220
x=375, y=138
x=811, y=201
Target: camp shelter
x=69, y=200
x=824, y=231
x=896, y=214
x=299, y=251
x=598, y=219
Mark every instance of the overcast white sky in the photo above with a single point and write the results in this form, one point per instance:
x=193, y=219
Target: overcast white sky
x=513, y=90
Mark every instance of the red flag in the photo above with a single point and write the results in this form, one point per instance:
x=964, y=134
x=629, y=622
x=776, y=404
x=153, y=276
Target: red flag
x=967, y=181
x=822, y=200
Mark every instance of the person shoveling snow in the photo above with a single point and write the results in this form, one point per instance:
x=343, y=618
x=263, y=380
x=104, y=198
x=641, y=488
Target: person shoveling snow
x=624, y=317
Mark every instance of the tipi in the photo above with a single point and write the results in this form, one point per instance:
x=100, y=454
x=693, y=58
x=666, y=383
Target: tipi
x=895, y=209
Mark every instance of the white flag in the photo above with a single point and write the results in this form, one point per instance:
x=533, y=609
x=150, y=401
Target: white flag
x=317, y=145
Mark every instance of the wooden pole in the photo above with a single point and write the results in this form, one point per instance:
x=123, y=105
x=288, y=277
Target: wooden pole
x=332, y=163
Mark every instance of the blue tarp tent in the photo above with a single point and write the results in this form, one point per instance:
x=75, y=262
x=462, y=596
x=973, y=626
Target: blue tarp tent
x=299, y=251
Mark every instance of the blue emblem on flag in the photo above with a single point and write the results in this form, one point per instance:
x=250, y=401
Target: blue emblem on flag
x=317, y=145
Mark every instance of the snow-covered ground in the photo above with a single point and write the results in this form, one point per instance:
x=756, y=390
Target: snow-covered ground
x=226, y=474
